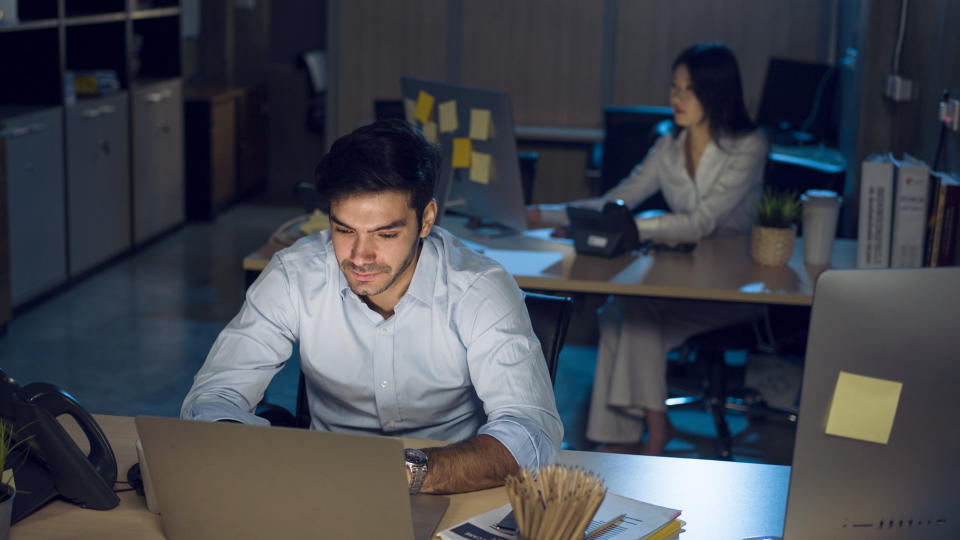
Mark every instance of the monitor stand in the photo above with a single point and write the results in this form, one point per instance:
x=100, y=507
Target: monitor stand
x=486, y=229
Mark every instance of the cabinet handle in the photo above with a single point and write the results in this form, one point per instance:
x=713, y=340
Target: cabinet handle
x=107, y=109
x=34, y=128
x=91, y=113
x=157, y=97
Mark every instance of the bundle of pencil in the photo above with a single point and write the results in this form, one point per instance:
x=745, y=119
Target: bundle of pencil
x=554, y=502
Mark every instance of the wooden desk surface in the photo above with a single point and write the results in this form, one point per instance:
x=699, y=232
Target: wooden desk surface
x=720, y=268
x=719, y=499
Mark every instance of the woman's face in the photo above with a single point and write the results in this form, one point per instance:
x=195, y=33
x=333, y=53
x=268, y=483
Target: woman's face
x=687, y=110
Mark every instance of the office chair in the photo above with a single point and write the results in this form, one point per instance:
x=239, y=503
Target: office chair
x=629, y=132
x=549, y=316
x=781, y=333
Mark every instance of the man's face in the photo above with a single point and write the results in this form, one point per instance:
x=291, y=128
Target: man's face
x=375, y=238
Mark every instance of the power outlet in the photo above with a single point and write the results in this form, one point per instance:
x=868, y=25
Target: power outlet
x=950, y=113
x=898, y=88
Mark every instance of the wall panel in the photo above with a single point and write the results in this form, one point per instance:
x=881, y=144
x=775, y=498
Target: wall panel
x=651, y=34
x=380, y=41
x=547, y=54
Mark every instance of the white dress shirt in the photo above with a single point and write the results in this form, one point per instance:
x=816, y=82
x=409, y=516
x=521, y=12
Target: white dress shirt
x=457, y=358
x=720, y=199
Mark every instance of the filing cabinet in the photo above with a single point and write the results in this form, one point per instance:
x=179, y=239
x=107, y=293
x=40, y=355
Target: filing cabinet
x=33, y=160
x=98, y=181
x=158, y=186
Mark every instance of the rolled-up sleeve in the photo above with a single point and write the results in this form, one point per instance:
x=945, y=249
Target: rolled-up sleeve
x=509, y=373
x=246, y=355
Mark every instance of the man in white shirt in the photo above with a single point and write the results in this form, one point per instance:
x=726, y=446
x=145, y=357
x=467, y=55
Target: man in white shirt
x=402, y=330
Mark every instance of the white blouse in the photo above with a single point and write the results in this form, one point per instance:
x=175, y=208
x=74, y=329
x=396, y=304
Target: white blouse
x=720, y=199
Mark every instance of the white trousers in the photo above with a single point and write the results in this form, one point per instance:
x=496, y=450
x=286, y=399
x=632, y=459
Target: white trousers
x=635, y=335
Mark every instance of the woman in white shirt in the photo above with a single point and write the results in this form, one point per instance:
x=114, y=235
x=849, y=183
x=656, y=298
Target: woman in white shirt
x=710, y=171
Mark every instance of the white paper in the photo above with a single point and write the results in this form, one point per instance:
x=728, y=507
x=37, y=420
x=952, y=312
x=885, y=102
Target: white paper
x=642, y=519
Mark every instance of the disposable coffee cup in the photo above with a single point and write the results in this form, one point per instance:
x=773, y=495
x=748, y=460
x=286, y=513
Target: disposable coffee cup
x=821, y=208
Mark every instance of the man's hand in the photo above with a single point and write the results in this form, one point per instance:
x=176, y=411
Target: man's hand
x=479, y=463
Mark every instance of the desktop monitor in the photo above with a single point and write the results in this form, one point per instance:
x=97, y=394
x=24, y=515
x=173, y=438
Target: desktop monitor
x=876, y=447
x=485, y=182
x=629, y=132
x=797, y=105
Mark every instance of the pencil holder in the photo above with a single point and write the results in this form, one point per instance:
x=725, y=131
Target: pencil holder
x=554, y=502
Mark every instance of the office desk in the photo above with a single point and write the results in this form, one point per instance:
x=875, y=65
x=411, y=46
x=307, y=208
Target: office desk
x=720, y=268
x=719, y=500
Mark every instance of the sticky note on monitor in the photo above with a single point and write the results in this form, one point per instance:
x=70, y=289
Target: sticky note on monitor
x=461, y=153
x=409, y=109
x=424, y=107
x=430, y=131
x=863, y=407
x=447, y=112
x=480, y=167
x=479, y=124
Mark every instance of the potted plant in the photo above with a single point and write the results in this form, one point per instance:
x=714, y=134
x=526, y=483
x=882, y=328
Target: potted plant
x=775, y=229
x=8, y=443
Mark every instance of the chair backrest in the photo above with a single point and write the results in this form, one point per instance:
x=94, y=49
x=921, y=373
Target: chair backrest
x=629, y=132
x=549, y=316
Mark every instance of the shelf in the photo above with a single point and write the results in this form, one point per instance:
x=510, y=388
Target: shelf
x=82, y=20
x=24, y=26
x=154, y=13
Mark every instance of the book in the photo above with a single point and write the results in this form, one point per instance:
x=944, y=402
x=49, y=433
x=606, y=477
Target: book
x=943, y=220
x=909, y=213
x=876, y=212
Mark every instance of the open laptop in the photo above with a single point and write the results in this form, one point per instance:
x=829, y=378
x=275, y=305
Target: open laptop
x=226, y=480
x=884, y=327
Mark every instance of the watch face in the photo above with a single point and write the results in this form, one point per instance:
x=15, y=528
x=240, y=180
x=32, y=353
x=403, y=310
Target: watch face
x=414, y=456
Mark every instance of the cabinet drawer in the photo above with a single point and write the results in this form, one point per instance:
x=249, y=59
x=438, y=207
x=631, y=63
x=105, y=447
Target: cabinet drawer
x=98, y=181
x=158, y=184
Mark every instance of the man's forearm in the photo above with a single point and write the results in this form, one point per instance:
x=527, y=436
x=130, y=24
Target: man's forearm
x=477, y=463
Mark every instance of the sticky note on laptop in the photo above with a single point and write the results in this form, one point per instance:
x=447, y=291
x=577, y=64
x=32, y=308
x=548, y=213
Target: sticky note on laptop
x=863, y=407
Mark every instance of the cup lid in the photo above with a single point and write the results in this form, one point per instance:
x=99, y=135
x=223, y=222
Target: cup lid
x=820, y=196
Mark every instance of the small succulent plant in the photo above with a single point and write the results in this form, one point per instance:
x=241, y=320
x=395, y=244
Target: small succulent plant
x=779, y=209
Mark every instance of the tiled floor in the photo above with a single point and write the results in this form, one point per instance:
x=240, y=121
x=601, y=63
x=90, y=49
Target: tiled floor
x=128, y=339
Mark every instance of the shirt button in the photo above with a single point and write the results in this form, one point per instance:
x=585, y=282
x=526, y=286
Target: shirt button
x=383, y=384
x=391, y=424
x=384, y=331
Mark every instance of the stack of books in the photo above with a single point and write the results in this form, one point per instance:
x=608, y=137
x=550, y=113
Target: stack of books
x=909, y=216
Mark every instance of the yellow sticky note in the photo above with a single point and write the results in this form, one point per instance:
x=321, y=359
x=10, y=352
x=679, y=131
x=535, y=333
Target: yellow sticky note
x=447, y=111
x=318, y=221
x=430, y=131
x=479, y=124
x=409, y=109
x=863, y=407
x=461, y=153
x=480, y=168
x=424, y=107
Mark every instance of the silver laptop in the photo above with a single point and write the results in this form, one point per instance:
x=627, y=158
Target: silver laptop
x=225, y=480
x=882, y=327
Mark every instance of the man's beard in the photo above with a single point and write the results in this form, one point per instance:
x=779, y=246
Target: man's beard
x=347, y=266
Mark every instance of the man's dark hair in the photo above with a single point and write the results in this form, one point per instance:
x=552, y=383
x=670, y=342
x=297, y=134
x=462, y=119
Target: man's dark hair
x=389, y=155
x=715, y=78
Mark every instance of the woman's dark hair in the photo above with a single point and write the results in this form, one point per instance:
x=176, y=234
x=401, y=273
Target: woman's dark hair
x=716, y=83
x=388, y=155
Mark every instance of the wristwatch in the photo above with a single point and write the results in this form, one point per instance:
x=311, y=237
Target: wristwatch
x=417, y=464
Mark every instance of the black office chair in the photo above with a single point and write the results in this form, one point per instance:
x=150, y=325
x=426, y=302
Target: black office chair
x=549, y=316
x=783, y=332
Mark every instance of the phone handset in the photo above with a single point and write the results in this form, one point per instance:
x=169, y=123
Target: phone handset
x=616, y=211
